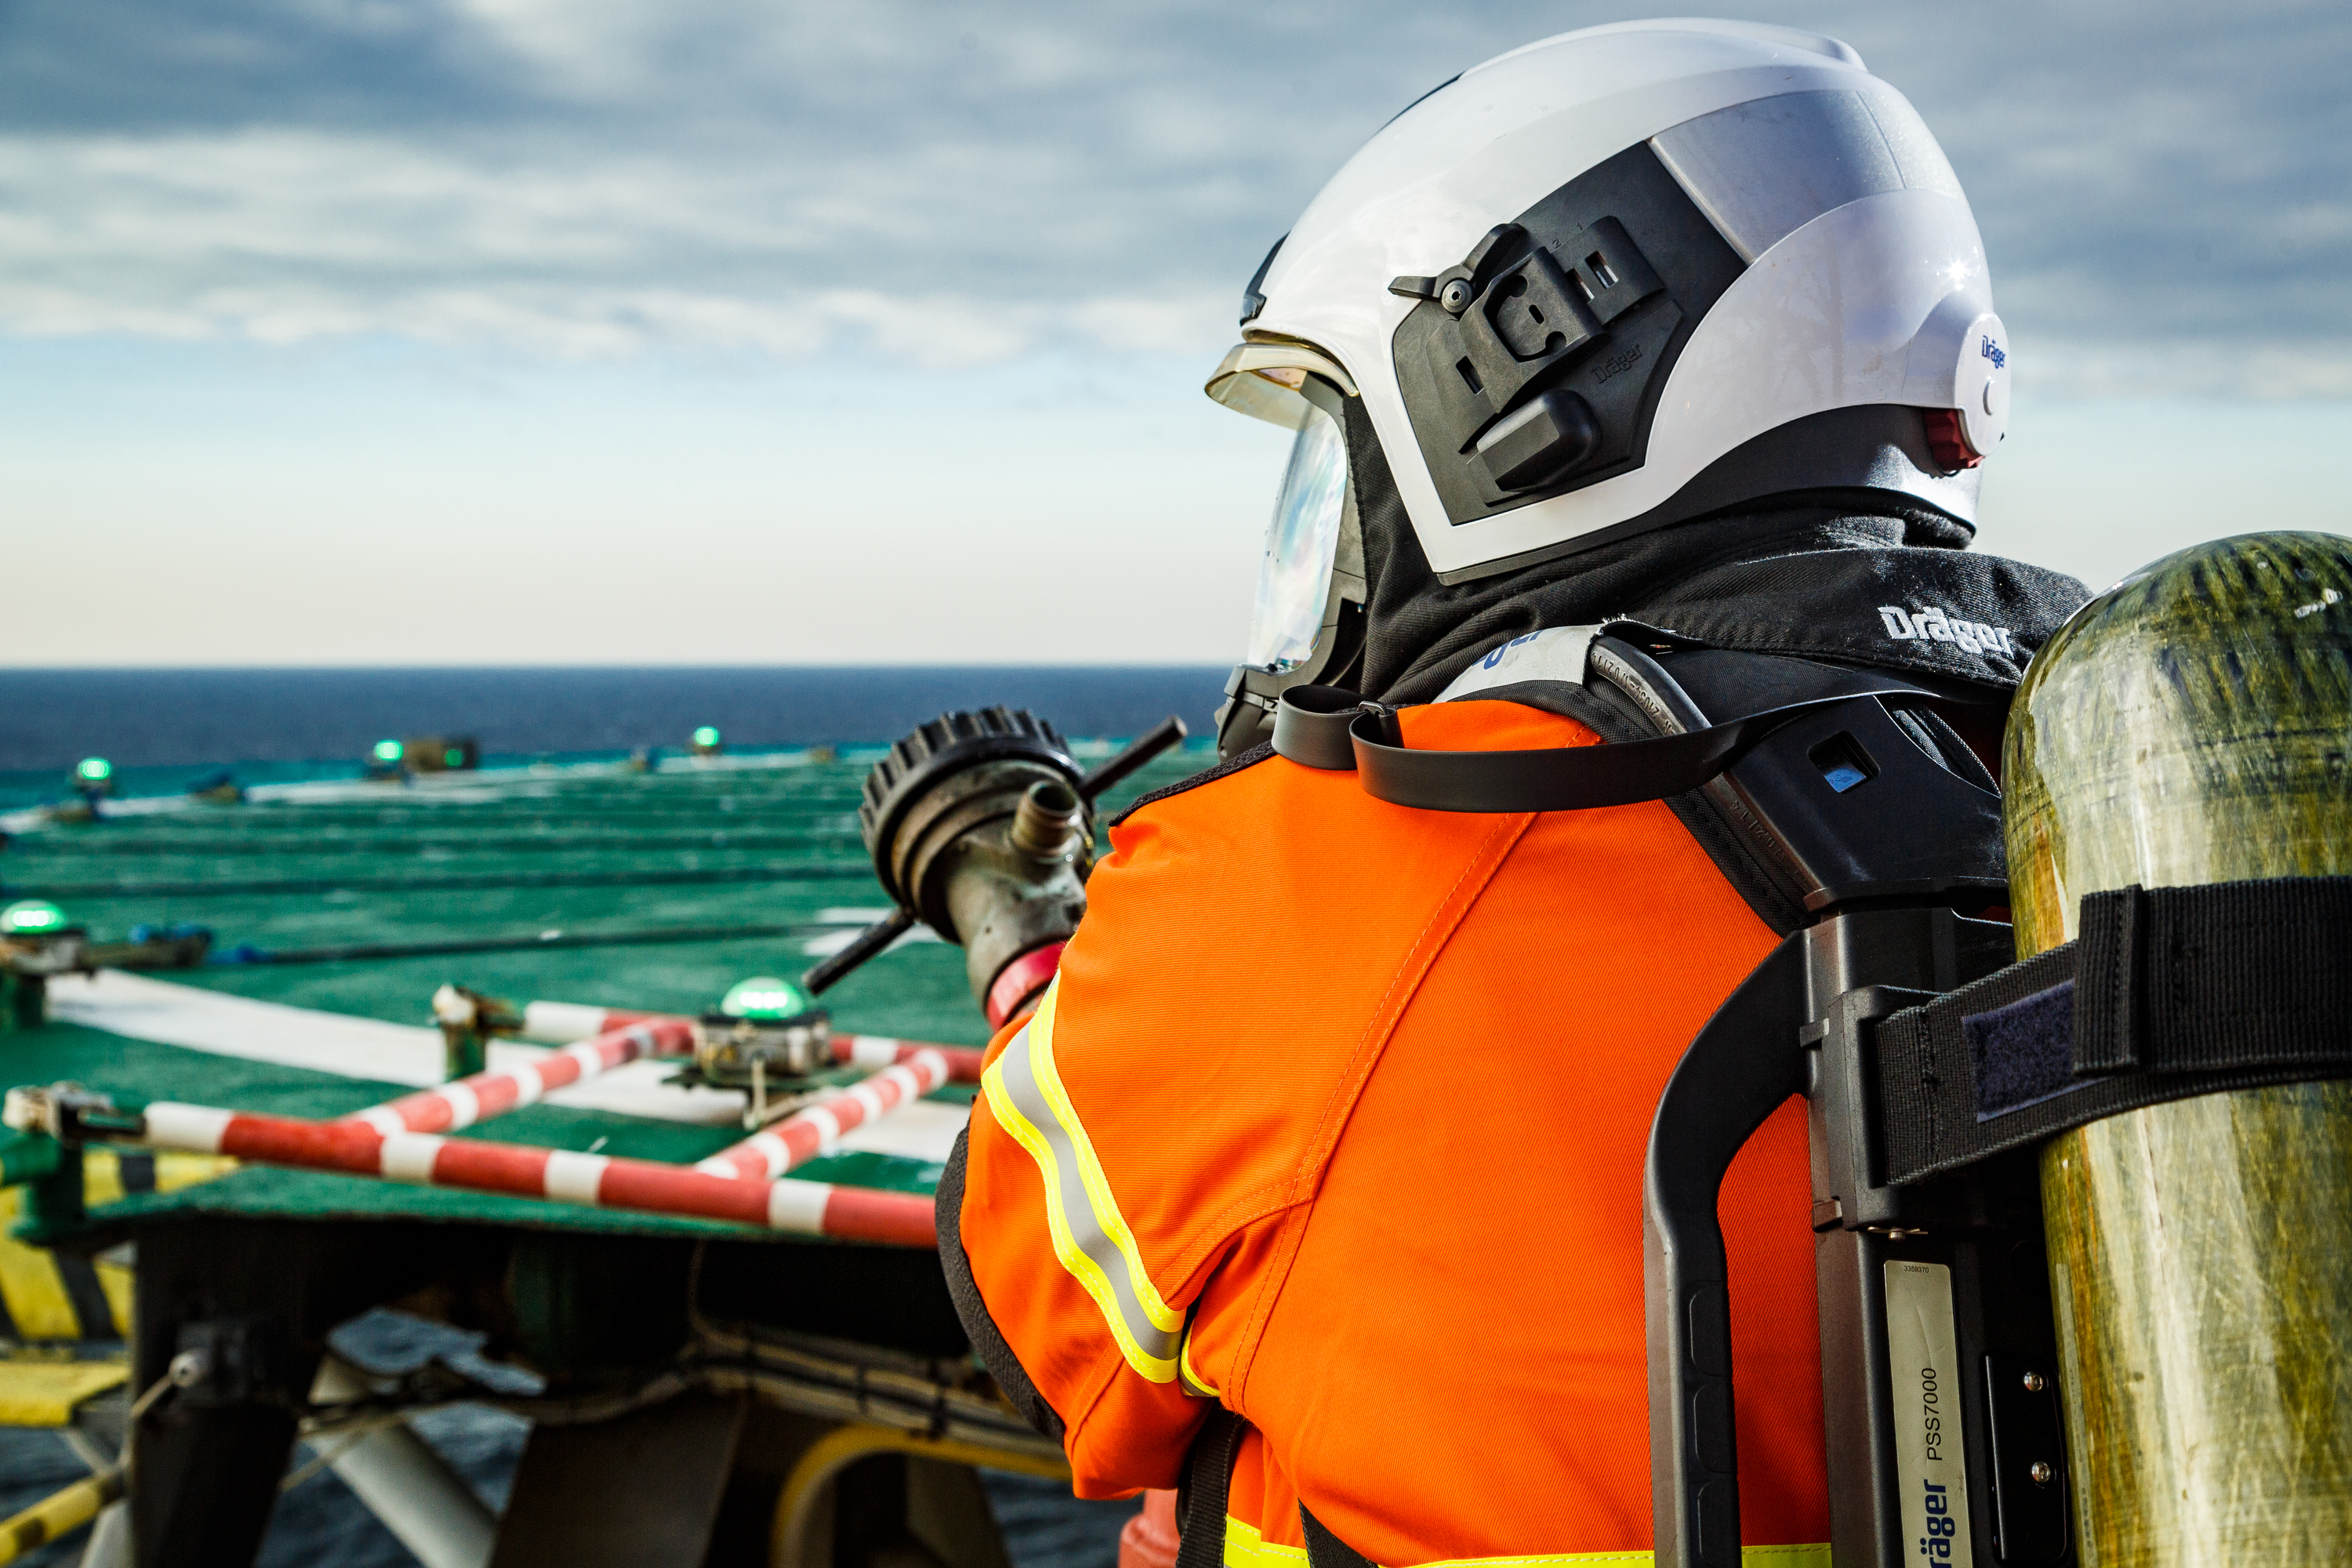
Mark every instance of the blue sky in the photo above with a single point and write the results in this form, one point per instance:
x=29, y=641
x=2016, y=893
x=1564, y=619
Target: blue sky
x=596, y=330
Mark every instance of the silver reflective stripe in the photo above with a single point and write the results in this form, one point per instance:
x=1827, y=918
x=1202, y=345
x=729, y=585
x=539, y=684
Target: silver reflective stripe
x=1087, y=1247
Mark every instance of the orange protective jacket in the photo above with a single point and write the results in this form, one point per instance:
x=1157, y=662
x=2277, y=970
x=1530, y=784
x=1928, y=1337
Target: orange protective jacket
x=1336, y=1113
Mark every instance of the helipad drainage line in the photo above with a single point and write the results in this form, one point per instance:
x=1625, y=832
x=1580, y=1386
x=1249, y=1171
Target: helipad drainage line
x=478, y=1097
x=814, y=1129
x=556, y=1022
x=562, y=1175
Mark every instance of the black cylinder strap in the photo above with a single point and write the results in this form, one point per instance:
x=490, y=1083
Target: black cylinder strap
x=2169, y=993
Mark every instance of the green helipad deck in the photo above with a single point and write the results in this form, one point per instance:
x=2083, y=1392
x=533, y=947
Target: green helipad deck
x=537, y=857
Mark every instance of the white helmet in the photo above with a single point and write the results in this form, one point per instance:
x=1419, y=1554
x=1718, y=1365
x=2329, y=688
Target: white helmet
x=1619, y=278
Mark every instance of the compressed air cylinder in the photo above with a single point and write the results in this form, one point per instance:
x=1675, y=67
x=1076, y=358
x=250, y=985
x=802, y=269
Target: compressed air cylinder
x=2194, y=725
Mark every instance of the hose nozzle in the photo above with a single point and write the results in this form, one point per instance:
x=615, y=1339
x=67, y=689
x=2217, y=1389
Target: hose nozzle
x=1047, y=819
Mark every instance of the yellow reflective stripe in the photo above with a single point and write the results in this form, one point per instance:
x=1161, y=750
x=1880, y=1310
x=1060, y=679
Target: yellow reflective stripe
x=1105, y=1206
x=1245, y=1548
x=1187, y=1374
x=1154, y=1362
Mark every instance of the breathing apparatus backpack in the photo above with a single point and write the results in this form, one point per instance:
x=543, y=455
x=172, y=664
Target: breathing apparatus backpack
x=2075, y=1058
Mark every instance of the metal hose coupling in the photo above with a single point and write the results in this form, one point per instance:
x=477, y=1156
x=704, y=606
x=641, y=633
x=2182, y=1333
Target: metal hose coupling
x=1045, y=823
x=977, y=826
x=981, y=826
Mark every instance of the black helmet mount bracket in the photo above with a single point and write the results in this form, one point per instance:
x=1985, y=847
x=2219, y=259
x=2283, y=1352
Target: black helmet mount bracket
x=1534, y=367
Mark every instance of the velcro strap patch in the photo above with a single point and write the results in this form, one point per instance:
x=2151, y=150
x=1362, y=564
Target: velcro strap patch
x=2169, y=992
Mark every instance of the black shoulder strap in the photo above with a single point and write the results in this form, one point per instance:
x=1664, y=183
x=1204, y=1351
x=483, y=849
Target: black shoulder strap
x=1208, y=1481
x=1202, y=1503
x=1808, y=785
x=1322, y=727
x=1324, y=1550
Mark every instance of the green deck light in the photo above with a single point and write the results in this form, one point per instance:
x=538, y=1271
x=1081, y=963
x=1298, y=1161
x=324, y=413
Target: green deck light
x=454, y=757
x=387, y=751
x=32, y=917
x=707, y=736
x=764, y=997
x=93, y=770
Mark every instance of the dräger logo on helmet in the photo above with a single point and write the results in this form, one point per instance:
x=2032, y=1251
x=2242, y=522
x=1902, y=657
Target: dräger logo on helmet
x=1935, y=625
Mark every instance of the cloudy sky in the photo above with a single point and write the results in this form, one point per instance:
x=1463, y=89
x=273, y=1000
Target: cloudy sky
x=704, y=331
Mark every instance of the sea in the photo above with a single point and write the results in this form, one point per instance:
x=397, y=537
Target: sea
x=163, y=729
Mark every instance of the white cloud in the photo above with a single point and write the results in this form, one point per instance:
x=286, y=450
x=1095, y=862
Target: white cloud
x=283, y=237
x=2161, y=186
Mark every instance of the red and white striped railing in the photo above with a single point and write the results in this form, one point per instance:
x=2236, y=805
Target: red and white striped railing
x=559, y=1023
x=461, y=1103
x=357, y=1148
x=962, y=1062
x=814, y=1129
x=556, y=1023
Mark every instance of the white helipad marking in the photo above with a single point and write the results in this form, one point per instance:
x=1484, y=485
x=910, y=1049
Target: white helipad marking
x=640, y=1089
x=139, y=1008
x=144, y=1009
x=833, y=942
x=925, y=1131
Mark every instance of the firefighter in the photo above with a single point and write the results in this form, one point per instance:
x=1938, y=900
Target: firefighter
x=1315, y=1178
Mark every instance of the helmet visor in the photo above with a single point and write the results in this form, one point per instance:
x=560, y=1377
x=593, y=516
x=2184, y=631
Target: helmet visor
x=1302, y=541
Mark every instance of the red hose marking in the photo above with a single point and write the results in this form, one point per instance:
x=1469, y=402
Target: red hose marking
x=1020, y=980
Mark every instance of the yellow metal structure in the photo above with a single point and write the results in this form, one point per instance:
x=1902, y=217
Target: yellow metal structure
x=45, y=1393
x=800, y=1536
x=59, y=1513
x=2194, y=725
x=33, y=1279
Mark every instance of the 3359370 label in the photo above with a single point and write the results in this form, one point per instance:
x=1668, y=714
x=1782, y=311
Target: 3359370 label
x=1923, y=1366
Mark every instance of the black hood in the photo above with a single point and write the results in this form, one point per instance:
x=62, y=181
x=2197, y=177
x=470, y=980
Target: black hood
x=1849, y=578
